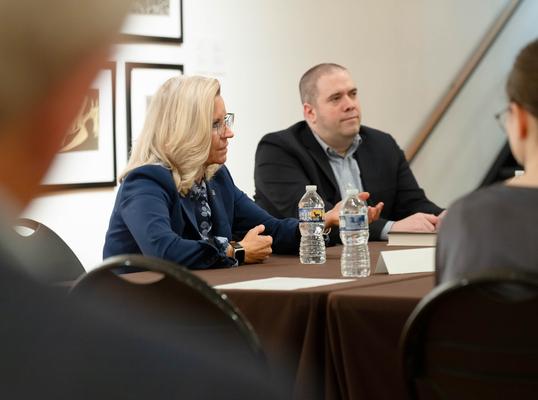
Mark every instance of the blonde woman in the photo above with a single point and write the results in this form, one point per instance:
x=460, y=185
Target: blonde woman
x=178, y=202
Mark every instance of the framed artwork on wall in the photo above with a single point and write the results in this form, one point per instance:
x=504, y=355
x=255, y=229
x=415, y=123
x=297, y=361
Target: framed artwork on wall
x=142, y=81
x=87, y=157
x=154, y=20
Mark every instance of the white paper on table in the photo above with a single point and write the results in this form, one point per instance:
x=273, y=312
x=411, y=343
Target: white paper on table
x=406, y=261
x=281, y=283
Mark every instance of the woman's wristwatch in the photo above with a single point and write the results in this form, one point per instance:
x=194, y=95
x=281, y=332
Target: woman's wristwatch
x=239, y=252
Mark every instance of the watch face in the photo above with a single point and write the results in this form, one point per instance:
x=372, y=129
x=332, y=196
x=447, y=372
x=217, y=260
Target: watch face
x=239, y=253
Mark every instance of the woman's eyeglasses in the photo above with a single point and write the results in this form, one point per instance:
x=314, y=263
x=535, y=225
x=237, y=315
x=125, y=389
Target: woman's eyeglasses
x=221, y=126
x=501, y=118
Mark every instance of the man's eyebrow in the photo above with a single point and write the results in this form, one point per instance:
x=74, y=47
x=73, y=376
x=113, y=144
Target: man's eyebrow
x=341, y=92
x=335, y=94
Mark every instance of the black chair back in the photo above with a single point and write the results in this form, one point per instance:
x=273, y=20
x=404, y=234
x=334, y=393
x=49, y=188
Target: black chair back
x=46, y=256
x=474, y=339
x=171, y=300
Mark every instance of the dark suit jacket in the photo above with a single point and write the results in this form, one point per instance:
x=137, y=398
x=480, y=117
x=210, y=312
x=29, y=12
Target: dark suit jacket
x=288, y=160
x=151, y=218
x=58, y=347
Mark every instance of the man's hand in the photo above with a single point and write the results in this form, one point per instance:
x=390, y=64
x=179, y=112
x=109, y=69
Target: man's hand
x=419, y=222
x=257, y=246
x=373, y=212
x=332, y=216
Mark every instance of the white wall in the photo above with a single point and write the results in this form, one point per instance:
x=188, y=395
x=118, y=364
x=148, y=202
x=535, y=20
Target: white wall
x=467, y=140
x=403, y=55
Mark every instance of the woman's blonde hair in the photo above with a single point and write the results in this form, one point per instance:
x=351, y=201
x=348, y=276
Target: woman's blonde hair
x=177, y=131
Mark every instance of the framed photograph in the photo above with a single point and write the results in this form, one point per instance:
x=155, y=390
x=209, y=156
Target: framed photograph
x=154, y=20
x=87, y=157
x=142, y=81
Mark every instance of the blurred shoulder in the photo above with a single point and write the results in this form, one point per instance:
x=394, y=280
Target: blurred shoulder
x=478, y=212
x=487, y=200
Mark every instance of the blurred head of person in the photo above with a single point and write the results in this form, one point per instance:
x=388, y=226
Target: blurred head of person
x=186, y=129
x=522, y=112
x=50, y=51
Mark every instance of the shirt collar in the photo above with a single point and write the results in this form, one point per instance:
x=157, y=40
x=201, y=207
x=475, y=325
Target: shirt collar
x=332, y=152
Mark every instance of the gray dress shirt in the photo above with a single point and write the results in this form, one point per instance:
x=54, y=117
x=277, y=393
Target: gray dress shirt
x=347, y=171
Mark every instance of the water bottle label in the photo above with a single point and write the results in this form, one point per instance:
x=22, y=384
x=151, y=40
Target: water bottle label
x=311, y=214
x=353, y=222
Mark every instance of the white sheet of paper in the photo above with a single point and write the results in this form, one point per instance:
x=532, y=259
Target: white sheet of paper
x=281, y=283
x=406, y=261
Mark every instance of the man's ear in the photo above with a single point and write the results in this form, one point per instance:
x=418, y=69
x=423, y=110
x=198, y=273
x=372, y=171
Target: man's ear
x=309, y=113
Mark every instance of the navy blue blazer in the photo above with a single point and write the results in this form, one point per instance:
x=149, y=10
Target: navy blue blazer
x=150, y=217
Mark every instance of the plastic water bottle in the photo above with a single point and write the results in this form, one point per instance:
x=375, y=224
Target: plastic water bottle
x=355, y=260
x=311, y=223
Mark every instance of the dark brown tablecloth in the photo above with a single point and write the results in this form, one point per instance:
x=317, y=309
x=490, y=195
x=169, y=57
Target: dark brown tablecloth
x=364, y=329
x=293, y=325
x=327, y=342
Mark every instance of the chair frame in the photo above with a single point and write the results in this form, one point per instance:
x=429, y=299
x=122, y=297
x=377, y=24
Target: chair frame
x=410, y=350
x=184, y=276
x=38, y=227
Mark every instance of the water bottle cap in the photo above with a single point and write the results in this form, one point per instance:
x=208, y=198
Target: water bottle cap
x=352, y=191
x=311, y=187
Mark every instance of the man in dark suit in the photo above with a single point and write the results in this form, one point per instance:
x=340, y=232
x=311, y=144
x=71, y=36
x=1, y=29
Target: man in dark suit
x=52, y=346
x=333, y=151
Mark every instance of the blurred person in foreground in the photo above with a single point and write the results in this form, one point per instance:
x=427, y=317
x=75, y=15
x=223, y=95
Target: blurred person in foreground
x=51, y=346
x=496, y=227
x=177, y=201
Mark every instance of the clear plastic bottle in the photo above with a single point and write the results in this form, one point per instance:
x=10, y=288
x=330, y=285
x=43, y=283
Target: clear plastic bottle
x=355, y=260
x=311, y=223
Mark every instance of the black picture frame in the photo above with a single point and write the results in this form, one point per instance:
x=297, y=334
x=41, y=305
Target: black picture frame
x=87, y=158
x=167, y=28
x=152, y=76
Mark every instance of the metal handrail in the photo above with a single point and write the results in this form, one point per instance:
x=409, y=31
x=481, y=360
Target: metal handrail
x=462, y=77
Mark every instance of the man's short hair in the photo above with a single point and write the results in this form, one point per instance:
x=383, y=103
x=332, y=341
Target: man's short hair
x=308, y=84
x=41, y=40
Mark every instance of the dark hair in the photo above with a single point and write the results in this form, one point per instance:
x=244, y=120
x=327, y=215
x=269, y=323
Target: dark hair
x=522, y=84
x=308, y=83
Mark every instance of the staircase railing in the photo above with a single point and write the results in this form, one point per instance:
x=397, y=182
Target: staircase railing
x=461, y=78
